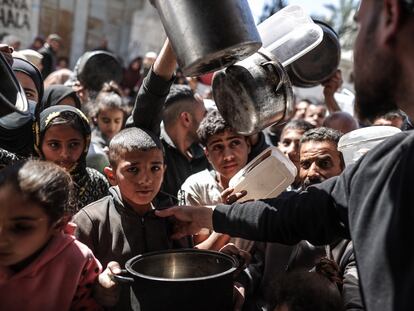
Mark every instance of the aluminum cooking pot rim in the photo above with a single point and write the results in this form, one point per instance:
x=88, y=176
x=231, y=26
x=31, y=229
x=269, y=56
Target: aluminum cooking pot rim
x=130, y=262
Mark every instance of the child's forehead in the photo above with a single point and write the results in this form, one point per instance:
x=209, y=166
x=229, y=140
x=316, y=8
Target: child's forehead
x=224, y=136
x=141, y=155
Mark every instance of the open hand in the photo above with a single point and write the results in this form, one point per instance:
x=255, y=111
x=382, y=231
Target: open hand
x=188, y=220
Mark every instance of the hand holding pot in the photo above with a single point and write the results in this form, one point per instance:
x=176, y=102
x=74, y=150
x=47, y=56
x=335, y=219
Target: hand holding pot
x=106, y=291
x=331, y=86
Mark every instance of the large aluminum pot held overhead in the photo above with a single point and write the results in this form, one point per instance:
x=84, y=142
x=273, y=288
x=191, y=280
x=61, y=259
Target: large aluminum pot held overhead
x=254, y=93
x=208, y=35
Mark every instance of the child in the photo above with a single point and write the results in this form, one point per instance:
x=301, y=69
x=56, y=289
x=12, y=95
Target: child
x=41, y=267
x=109, y=116
x=58, y=95
x=227, y=152
x=309, y=291
x=123, y=225
x=62, y=136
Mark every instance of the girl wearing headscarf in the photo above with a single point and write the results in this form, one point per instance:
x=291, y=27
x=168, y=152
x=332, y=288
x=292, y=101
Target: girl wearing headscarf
x=59, y=95
x=62, y=136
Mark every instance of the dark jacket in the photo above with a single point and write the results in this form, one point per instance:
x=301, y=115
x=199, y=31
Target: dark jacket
x=371, y=201
x=114, y=232
x=147, y=114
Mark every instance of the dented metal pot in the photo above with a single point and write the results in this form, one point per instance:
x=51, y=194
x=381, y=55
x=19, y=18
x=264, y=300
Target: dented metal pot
x=254, y=93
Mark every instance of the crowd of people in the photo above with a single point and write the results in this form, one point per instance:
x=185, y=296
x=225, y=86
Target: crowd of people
x=88, y=179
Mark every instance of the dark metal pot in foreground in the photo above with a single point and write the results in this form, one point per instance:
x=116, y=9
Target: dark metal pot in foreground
x=208, y=35
x=186, y=279
x=254, y=93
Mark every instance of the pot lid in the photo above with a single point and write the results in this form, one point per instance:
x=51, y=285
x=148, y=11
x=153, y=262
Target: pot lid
x=12, y=97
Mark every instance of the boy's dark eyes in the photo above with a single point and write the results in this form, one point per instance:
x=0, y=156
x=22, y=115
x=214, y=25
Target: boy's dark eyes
x=235, y=142
x=132, y=169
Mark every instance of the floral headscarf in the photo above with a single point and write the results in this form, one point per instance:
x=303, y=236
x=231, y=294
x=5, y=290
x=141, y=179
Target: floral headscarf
x=70, y=113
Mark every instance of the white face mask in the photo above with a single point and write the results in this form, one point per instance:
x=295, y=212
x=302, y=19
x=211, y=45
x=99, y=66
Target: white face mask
x=15, y=120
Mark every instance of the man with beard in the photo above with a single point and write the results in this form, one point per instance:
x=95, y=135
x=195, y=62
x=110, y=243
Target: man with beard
x=371, y=201
x=319, y=160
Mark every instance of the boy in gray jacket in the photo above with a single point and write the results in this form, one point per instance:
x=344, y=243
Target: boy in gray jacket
x=123, y=225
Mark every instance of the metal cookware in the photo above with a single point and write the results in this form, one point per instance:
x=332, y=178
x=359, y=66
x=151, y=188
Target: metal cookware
x=319, y=64
x=208, y=35
x=95, y=68
x=12, y=97
x=185, y=279
x=253, y=93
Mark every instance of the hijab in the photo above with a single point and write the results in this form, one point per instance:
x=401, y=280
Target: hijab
x=16, y=135
x=54, y=94
x=80, y=123
x=26, y=67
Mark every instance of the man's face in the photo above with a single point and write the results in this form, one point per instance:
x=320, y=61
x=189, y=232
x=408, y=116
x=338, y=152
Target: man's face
x=376, y=68
x=227, y=152
x=315, y=115
x=319, y=160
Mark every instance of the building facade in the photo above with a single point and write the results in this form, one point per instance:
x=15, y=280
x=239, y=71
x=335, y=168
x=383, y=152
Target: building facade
x=129, y=28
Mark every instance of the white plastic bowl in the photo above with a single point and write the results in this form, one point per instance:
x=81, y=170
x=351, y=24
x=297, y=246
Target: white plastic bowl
x=266, y=176
x=355, y=144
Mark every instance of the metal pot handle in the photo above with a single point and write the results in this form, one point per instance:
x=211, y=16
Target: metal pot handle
x=118, y=278
x=282, y=74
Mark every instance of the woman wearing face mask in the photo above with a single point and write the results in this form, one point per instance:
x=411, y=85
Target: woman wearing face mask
x=29, y=78
x=16, y=135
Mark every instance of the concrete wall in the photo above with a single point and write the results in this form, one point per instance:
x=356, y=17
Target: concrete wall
x=130, y=27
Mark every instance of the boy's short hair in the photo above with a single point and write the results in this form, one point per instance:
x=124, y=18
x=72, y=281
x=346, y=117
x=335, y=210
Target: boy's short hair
x=132, y=139
x=300, y=125
x=212, y=124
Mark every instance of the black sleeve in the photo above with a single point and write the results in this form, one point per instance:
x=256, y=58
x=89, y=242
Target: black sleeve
x=319, y=215
x=147, y=112
x=47, y=64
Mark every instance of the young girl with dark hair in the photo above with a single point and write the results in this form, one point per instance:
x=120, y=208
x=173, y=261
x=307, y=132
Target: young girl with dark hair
x=41, y=266
x=109, y=115
x=62, y=136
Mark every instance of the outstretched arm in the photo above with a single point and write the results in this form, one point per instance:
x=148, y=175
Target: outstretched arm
x=318, y=215
x=147, y=112
x=330, y=87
